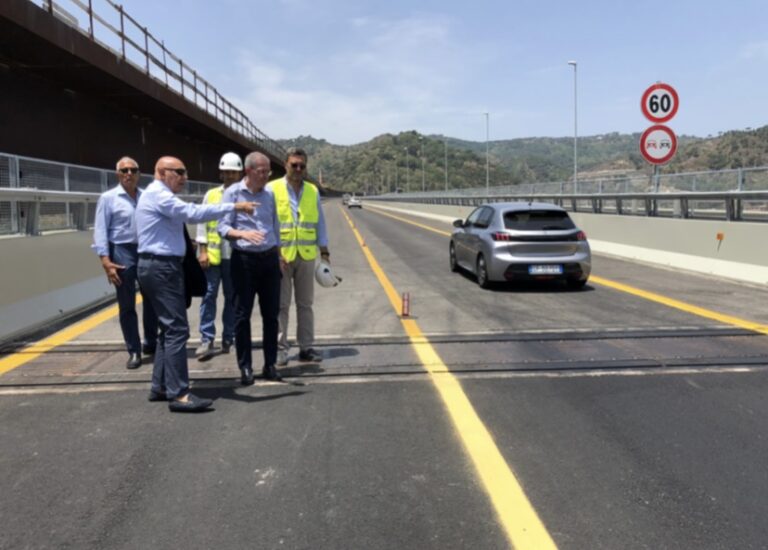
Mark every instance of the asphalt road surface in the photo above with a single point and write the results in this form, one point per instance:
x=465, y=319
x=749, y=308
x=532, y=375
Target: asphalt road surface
x=623, y=422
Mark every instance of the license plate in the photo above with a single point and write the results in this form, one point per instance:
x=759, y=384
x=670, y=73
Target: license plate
x=550, y=269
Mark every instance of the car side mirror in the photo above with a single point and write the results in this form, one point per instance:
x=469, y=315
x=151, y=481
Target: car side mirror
x=458, y=223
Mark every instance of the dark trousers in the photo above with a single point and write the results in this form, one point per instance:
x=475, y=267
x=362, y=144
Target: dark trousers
x=162, y=279
x=127, y=255
x=252, y=274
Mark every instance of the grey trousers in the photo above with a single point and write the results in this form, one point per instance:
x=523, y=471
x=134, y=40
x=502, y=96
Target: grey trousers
x=298, y=279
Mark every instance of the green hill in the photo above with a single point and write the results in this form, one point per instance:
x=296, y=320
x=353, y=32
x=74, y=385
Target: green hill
x=390, y=161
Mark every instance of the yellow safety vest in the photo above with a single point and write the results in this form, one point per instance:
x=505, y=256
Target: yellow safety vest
x=297, y=236
x=214, y=239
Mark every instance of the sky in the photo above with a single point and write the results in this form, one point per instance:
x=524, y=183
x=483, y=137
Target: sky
x=349, y=71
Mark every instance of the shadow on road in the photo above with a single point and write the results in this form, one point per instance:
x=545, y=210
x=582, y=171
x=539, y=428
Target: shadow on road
x=233, y=395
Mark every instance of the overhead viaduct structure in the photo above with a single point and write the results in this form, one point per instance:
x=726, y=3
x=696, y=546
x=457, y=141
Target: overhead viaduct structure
x=86, y=88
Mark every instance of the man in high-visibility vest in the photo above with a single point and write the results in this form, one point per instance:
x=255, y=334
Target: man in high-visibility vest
x=214, y=255
x=302, y=233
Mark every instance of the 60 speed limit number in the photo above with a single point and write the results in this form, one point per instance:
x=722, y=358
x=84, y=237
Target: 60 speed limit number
x=659, y=103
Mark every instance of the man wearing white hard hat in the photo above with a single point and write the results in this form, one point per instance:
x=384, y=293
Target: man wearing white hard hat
x=214, y=255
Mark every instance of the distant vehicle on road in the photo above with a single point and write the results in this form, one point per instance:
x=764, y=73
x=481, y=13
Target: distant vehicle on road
x=354, y=202
x=345, y=199
x=520, y=241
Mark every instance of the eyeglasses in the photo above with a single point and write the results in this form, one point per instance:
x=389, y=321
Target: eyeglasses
x=127, y=170
x=266, y=171
x=179, y=171
x=298, y=165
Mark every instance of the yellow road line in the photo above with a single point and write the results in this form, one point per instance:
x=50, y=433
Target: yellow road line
x=406, y=220
x=683, y=306
x=652, y=296
x=520, y=521
x=35, y=350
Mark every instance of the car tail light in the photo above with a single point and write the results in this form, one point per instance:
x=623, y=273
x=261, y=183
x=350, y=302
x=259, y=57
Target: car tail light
x=499, y=236
x=581, y=236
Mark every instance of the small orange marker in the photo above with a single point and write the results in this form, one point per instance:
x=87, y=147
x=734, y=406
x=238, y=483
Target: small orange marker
x=720, y=236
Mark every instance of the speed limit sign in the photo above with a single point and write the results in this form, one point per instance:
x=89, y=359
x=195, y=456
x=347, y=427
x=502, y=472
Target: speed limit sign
x=659, y=103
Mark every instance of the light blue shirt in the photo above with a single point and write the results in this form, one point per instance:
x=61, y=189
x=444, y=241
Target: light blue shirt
x=264, y=217
x=294, y=199
x=161, y=215
x=115, y=220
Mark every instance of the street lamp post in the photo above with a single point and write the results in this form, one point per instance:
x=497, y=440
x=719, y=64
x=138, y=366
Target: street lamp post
x=407, y=171
x=445, y=147
x=487, y=161
x=397, y=180
x=575, y=130
x=421, y=153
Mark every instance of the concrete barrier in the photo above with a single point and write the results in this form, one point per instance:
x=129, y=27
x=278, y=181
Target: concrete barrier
x=47, y=278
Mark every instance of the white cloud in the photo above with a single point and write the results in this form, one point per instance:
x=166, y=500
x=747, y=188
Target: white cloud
x=755, y=50
x=394, y=75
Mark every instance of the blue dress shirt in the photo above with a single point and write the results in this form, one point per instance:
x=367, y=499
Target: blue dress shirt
x=161, y=215
x=294, y=199
x=115, y=220
x=264, y=217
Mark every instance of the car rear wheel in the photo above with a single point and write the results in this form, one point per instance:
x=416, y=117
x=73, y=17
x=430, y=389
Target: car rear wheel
x=576, y=284
x=452, y=258
x=482, y=272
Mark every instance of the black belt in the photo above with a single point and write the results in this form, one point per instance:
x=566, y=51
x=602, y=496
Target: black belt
x=261, y=254
x=148, y=256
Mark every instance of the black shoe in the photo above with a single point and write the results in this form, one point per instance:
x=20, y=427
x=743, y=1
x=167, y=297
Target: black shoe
x=148, y=350
x=157, y=396
x=134, y=361
x=270, y=373
x=246, y=376
x=310, y=355
x=226, y=345
x=193, y=404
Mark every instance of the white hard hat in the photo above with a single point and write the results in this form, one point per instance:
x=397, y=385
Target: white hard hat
x=324, y=275
x=231, y=161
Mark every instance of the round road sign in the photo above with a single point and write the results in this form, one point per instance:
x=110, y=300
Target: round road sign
x=659, y=102
x=658, y=144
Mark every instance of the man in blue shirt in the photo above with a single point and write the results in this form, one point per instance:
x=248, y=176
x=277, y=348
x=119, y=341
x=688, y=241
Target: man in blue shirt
x=160, y=219
x=256, y=265
x=116, y=242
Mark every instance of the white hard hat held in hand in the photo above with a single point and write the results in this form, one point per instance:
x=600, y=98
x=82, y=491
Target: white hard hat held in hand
x=324, y=275
x=231, y=161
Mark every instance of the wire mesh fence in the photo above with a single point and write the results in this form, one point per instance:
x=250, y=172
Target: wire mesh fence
x=30, y=173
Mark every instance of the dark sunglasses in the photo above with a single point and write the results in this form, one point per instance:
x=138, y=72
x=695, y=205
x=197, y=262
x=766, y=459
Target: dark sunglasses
x=127, y=170
x=298, y=166
x=179, y=171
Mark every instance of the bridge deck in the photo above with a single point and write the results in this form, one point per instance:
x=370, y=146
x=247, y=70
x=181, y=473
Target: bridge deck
x=628, y=421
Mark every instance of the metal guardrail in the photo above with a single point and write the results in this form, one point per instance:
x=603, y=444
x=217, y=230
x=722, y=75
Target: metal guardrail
x=734, y=179
x=734, y=194
x=727, y=205
x=39, y=195
x=114, y=29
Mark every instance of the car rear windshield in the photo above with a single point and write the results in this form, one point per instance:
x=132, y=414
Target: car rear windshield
x=538, y=220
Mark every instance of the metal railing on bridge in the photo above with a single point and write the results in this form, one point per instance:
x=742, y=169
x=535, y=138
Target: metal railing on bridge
x=107, y=24
x=735, y=195
x=40, y=195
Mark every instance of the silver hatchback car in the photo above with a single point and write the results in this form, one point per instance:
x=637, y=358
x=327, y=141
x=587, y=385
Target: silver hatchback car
x=521, y=241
